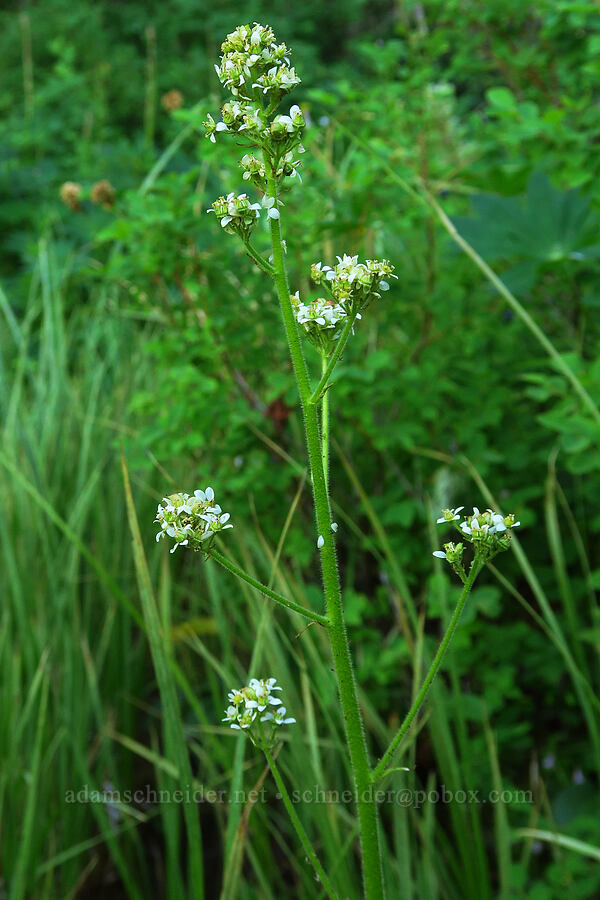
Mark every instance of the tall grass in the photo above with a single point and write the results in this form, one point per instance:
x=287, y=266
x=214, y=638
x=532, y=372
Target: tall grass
x=80, y=703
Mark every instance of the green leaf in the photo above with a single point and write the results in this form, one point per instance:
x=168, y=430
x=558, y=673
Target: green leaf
x=501, y=98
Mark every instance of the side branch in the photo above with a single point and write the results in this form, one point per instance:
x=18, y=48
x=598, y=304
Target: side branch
x=263, y=589
x=380, y=769
x=316, y=395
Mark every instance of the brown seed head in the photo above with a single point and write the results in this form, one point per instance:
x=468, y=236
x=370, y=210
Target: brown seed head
x=103, y=193
x=172, y=100
x=70, y=194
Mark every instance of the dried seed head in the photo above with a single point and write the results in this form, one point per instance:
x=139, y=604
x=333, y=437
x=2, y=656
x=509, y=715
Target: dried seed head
x=70, y=194
x=103, y=193
x=172, y=100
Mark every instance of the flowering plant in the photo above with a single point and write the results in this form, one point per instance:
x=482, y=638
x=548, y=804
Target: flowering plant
x=256, y=70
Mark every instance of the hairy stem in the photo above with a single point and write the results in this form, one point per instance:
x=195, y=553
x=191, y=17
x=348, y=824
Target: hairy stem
x=325, y=426
x=267, y=591
x=258, y=258
x=327, y=370
x=367, y=810
x=380, y=769
x=299, y=828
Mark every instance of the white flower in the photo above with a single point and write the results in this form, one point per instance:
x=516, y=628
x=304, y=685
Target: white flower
x=235, y=696
x=230, y=714
x=244, y=720
x=450, y=515
x=269, y=204
x=279, y=717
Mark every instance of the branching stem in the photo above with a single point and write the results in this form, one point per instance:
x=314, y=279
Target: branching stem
x=267, y=591
x=380, y=769
x=341, y=343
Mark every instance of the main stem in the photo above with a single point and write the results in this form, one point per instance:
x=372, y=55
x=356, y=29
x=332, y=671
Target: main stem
x=367, y=810
x=325, y=425
x=382, y=765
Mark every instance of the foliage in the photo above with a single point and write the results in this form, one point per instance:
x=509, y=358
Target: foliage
x=135, y=321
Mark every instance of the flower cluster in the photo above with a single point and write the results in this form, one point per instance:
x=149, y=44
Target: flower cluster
x=192, y=520
x=256, y=70
x=483, y=525
x=352, y=282
x=254, y=168
x=249, y=710
x=320, y=319
x=236, y=214
x=253, y=61
x=238, y=117
x=488, y=531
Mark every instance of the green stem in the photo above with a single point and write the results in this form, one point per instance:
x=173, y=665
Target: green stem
x=258, y=258
x=263, y=589
x=325, y=426
x=380, y=769
x=367, y=810
x=304, y=839
x=340, y=344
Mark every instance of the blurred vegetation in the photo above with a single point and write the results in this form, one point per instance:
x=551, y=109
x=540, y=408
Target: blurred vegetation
x=133, y=322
